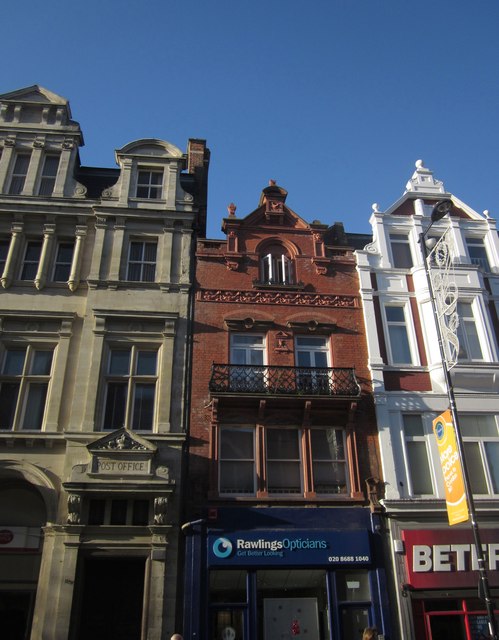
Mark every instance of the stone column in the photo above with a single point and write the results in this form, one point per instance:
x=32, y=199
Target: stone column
x=117, y=249
x=63, y=168
x=5, y=162
x=33, y=168
x=45, y=256
x=100, y=234
x=166, y=377
x=12, y=256
x=74, y=274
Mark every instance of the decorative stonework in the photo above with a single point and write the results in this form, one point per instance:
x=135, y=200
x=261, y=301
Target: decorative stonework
x=74, y=509
x=278, y=297
x=160, y=509
x=121, y=443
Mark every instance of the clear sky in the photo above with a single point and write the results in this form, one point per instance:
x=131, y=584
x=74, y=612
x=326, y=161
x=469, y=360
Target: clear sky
x=334, y=99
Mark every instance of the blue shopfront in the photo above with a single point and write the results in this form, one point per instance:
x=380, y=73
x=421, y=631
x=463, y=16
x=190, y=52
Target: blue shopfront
x=277, y=573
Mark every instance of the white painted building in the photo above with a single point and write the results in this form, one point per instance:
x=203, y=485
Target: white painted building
x=436, y=598
x=95, y=273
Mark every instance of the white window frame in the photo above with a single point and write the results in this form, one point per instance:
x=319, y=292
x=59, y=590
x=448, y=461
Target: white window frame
x=400, y=238
x=319, y=376
x=409, y=327
x=463, y=332
x=478, y=242
x=343, y=462
x=481, y=441
x=421, y=439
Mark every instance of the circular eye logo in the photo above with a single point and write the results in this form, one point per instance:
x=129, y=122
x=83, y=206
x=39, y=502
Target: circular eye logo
x=222, y=547
x=439, y=430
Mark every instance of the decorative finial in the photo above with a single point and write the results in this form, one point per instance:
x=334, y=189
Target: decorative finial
x=232, y=209
x=486, y=213
x=419, y=164
x=272, y=183
x=375, y=207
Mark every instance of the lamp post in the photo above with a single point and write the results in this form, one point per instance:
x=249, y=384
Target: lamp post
x=440, y=210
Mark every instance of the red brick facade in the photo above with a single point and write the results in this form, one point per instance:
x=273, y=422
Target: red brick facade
x=278, y=278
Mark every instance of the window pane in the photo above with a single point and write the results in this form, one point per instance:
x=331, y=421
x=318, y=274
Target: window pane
x=146, y=363
x=140, y=515
x=401, y=251
x=327, y=444
x=35, y=406
x=9, y=392
x=237, y=477
x=478, y=425
x=143, y=406
x=492, y=452
x=150, y=249
x=149, y=273
x=50, y=166
x=118, y=512
x=115, y=405
x=14, y=362
x=119, y=363
x=395, y=314
x=282, y=444
x=283, y=477
x=413, y=425
x=96, y=511
x=419, y=468
x=134, y=272
x=399, y=343
x=42, y=363
x=353, y=585
x=475, y=467
x=236, y=444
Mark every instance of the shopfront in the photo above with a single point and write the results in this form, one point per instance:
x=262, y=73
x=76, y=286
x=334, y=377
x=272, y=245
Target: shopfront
x=442, y=582
x=278, y=579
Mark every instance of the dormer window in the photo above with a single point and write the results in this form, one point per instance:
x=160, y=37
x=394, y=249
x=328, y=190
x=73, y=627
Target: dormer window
x=276, y=267
x=150, y=184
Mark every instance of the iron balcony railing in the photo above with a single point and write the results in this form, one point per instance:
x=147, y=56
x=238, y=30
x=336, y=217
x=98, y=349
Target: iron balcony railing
x=268, y=380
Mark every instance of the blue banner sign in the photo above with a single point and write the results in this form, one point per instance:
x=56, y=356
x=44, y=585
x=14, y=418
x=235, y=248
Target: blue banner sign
x=291, y=547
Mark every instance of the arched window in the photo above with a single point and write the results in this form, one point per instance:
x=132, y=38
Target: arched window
x=276, y=266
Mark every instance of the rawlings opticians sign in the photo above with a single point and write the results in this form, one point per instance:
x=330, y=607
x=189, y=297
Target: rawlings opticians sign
x=317, y=548
x=443, y=559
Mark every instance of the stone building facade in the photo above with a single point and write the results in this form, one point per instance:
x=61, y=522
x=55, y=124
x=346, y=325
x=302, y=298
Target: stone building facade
x=434, y=579
x=282, y=534
x=95, y=272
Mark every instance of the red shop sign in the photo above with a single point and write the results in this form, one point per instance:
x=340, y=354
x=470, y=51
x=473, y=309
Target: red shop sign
x=443, y=559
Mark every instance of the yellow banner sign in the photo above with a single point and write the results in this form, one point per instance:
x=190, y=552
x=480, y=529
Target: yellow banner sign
x=455, y=496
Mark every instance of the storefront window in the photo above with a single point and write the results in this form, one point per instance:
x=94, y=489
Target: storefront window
x=292, y=603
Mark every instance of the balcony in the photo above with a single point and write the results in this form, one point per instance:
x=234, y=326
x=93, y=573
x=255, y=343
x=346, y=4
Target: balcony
x=268, y=380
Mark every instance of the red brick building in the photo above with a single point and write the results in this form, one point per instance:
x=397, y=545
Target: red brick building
x=281, y=421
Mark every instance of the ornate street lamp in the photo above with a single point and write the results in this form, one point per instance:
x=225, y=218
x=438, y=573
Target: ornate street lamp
x=440, y=210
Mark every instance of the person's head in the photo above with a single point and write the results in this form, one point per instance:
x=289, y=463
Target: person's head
x=370, y=633
x=176, y=636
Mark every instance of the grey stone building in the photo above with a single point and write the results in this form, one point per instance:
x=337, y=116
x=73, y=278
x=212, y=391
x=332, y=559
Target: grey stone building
x=95, y=273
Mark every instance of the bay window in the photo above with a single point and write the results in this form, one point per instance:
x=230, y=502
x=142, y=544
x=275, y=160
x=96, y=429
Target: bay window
x=280, y=470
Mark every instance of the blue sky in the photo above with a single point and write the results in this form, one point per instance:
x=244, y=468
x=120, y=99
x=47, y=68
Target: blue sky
x=334, y=99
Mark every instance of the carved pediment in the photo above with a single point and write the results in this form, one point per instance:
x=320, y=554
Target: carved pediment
x=121, y=440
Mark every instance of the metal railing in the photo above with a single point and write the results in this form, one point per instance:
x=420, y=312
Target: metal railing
x=269, y=380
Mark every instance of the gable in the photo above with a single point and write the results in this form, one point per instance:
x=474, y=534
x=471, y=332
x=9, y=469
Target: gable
x=35, y=94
